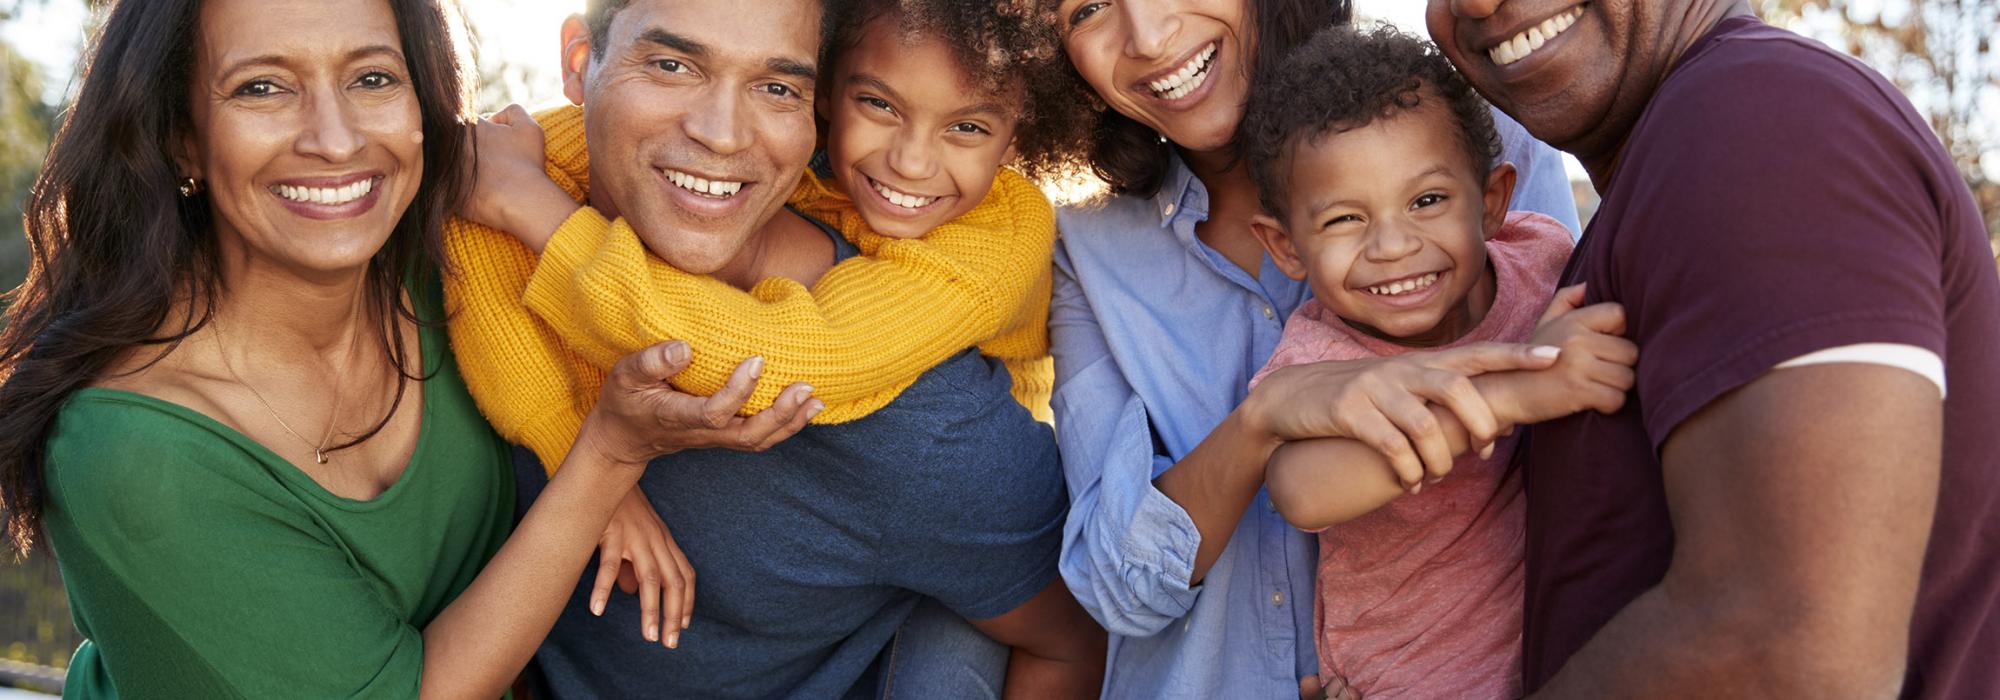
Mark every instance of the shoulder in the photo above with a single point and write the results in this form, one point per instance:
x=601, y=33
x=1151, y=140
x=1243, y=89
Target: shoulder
x=1533, y=241
x=142, y=464
x=1761, y=80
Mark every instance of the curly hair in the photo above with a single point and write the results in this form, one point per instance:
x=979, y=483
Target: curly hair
x=1009, y=47
x=1345, y=78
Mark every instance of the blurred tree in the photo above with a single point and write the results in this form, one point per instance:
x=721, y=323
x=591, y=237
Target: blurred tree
x=24, y=136
x=1945, y=54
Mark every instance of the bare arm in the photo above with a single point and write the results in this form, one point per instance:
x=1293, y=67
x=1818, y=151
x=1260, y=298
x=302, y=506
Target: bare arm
x=1058, y=650
x=1801, y=505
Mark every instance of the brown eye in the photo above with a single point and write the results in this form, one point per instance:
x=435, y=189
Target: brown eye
x=257, y=88
x=1427, y=200
x=377, y=80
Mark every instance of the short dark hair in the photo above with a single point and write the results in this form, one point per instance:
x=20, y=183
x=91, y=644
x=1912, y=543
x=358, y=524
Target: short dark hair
x=597, y=16
x=1132, y=158
x=1009, y=47
x=1346, y=78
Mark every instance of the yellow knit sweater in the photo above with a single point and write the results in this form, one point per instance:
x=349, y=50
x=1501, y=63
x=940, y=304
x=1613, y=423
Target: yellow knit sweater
x=535, y=338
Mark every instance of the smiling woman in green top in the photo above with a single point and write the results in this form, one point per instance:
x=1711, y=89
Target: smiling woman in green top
x=228, y=399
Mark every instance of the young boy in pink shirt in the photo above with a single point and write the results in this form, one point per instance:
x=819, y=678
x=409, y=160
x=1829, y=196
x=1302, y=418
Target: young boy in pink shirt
x=1376, y=167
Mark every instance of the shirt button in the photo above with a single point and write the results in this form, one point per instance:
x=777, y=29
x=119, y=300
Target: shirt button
x=1277, y=598
x=1270, y=312
x=1170, y=209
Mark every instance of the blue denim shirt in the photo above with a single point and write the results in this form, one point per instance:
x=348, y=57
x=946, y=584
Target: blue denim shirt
x=1155, y=337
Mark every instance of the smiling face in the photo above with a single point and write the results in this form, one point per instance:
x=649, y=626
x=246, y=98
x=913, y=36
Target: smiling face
x=1388, y=222
x=1178, y=66
x=305, y=130
x=698, y=129
x=912, y=145
x=1576, y=73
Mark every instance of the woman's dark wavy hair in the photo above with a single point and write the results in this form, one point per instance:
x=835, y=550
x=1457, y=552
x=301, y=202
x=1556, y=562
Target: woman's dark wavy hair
x=115, y=249
x=1132, y=158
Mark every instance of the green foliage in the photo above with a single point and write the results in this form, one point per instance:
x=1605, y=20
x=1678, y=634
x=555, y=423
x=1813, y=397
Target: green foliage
x=24, y=136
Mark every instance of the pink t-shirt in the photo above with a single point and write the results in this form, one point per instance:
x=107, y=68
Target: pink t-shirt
x=1422, y=597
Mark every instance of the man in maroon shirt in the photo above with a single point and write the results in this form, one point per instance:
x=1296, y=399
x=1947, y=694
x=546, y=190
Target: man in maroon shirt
x=1786, y=506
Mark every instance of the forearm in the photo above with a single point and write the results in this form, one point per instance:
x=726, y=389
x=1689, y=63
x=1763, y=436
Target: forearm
x=1032, y=677
x=477, y=646
x=1216, y=482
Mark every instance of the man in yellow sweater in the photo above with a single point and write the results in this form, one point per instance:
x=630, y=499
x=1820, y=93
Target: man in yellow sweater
x=815, y=549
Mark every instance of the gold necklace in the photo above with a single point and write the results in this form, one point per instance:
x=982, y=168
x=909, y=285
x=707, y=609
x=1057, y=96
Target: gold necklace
x=319, y=448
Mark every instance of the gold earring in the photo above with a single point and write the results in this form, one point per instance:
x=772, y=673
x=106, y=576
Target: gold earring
x=190, y=187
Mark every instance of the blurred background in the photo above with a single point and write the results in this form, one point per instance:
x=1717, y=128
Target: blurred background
x=1945, y=54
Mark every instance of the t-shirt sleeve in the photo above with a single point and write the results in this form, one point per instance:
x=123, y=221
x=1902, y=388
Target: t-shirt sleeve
x=194, y=577
x=1781, y=208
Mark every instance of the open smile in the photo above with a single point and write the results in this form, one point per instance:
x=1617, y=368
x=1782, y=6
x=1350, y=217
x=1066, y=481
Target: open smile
x=330, y=198
x=898, y=201
x=1532, y=39
x=1182, y=82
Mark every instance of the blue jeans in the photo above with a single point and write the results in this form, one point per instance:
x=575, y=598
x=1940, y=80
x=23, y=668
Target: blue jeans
x=937, y=654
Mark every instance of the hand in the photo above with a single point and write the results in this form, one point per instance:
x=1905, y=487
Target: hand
x=657, y=570
x=511, y=190
x=1311, y=689
x=1595, y=371
x=639, y=416
x=1383, y=403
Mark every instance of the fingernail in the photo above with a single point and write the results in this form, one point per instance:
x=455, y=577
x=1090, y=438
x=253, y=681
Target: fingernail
x=1486, y=452
x=814, y=409
x=597, y=608
x=1419, y=488
x=685, y=621
x=1546, y=352
x=805, y=392
x=674, y=641
x=652, y=632
x=757, y=366
x=677, y=352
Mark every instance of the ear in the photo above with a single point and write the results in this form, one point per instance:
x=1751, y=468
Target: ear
x=575, y=57
x=1010, y=154
x=1278, y=243
x=1499, y=192
x=185, y=162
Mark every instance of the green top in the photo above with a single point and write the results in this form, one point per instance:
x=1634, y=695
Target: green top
x=200, y=564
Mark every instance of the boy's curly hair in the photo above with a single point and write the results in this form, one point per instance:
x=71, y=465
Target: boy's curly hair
x=1345, y=78
x=1005, y=46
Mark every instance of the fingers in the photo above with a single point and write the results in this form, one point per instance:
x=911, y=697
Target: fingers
x=651, y=367
x=509, y=116
x=608, y=560
x=1606, y=317
x=1455, y=392
x=649, y=594
x=1373, y=429
x=1566, y=300
x=784, y=418
x=717, y=411
x=1309, y=689
x=674, y=587
x=1414, y=419
x=1480, y=358
x=680, y=561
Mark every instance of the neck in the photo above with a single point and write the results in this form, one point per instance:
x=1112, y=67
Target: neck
x=1678, y=35
x=288, y=314
x=1227, y=179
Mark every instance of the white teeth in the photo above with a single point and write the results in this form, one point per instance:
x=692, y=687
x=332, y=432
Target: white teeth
x=1532, y=40
x=1402, y=287
x=326, y=195
x=901, y=199
x=720, y=189
x=1185, y=80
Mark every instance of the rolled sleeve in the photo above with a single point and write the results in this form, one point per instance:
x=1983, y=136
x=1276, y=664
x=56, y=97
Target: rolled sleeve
x=1128, y=550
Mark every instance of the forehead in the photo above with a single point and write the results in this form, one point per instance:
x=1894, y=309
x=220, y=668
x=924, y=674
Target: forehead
x=293, y=30
x=1404, y=143
x=748, y=30
x=914, y=60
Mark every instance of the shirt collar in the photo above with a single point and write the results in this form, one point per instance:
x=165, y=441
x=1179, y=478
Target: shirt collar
x=1181, y=193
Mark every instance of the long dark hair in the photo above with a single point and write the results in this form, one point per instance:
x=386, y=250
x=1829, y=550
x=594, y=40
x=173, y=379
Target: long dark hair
x=115, y=247
x=1132, y=158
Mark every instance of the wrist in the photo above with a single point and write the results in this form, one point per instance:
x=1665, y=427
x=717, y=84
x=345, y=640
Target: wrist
x=594, y=445
x=1502, y=392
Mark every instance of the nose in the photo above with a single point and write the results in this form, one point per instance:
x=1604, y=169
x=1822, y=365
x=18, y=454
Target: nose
x=1150, y=27
x=1389, y=241
x=912, y=156
x=722, y=127
x=1473, y=9
x=330, y=132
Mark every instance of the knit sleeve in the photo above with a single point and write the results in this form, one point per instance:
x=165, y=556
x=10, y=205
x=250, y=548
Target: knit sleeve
x=532, y=388
x=859, y=336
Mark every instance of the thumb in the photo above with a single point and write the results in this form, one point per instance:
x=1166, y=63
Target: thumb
x=1567, y=299
x=513, y=114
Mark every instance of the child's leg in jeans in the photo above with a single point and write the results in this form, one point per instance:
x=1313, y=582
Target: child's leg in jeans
x=937, y=654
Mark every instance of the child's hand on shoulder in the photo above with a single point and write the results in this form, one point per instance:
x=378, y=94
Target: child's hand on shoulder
x=640, y=556
x=1595, y=369
x=511, y=189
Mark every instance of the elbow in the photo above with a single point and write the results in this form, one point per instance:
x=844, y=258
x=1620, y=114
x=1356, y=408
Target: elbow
x=1128, y=600
x=1292, y=493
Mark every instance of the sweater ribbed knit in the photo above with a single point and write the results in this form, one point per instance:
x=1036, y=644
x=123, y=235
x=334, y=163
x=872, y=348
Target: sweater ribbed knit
x=534, y=338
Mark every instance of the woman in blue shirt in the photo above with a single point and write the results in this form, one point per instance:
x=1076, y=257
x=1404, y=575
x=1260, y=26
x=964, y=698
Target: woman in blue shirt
x=1164, y=307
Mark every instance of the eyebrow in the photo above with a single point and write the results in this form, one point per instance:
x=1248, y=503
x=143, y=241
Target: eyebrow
x=784, y=66
x=990, y=108
x=282, y=60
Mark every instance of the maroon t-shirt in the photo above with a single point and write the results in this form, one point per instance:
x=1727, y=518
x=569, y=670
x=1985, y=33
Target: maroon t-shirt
x=1775, y=199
